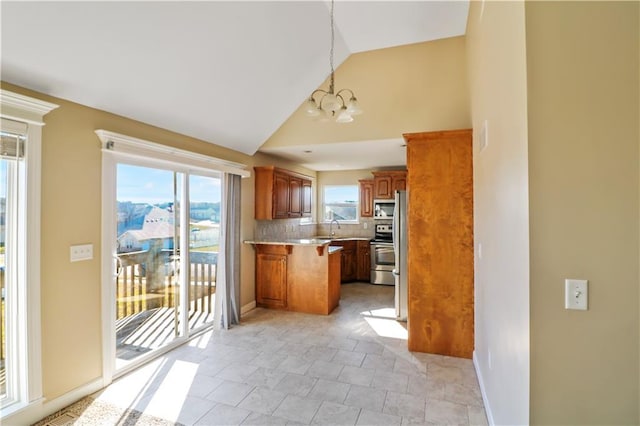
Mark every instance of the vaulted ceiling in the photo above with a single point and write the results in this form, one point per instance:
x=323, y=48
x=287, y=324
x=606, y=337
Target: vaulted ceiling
x=229, y=73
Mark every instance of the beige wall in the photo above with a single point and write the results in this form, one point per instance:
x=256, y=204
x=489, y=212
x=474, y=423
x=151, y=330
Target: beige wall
x=497, y=75
x=583, y=102
x=411, y=88
x=71, y=214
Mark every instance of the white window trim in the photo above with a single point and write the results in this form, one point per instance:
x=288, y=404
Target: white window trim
x=142, y=149
x=322, y=205
x=14, y=106
x=117, y=148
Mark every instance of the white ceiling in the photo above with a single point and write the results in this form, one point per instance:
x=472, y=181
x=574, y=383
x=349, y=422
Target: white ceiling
x=229, y=73
x=360, y=155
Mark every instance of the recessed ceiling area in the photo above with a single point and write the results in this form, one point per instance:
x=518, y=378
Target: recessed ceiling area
x=226, y=72
x=362, y=155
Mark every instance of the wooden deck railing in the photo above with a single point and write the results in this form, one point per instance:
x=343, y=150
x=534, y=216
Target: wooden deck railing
x=149, y=280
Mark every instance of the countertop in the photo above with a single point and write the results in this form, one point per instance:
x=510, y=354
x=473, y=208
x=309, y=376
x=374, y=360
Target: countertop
x=294, y=242
x=315, y=241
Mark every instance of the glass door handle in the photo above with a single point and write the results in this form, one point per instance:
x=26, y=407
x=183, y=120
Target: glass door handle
x=118, y=266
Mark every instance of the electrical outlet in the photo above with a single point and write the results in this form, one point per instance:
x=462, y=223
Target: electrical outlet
x=81, y=252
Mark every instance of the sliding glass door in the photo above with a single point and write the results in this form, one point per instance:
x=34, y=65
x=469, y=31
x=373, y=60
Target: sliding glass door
x=12, y=277
x=204, y=243
x=167, y=239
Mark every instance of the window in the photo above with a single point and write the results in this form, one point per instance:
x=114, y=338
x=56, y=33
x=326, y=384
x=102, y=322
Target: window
x=340, y=202
x=20, y=357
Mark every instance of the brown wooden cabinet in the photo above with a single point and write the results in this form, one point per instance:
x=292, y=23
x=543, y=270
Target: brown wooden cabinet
x=440, y=257
x=300, y=278
x=307, y=195
x=348, y=270
x=281, y=194
x=385, y=183
x=399, y=183
x=366, y=197
x=356, y=260
x=364, y=261
x=295, y=196
x=271, y=276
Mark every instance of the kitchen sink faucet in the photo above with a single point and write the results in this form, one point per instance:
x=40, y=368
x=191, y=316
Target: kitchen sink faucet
x=331, y=231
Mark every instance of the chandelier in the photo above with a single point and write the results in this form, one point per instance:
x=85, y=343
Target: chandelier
x=327, y=104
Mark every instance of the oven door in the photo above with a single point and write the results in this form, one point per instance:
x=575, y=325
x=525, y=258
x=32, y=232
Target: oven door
x=382, y=263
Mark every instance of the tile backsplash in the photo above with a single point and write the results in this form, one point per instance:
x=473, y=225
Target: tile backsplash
x=284, y=229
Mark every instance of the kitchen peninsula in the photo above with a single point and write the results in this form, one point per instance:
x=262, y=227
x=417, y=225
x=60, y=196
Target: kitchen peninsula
x=301, y=275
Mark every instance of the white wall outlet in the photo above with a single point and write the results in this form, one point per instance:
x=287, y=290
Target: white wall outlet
x=81, y=252
x=576, y=294
x=365, y=225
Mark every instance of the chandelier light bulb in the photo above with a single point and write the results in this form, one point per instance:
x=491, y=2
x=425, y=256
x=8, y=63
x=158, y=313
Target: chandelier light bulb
x=311, y=109
x=344, y=116
x=353, y=107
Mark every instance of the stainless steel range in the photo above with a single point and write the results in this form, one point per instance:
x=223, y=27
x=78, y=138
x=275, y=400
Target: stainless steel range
x=382, y=255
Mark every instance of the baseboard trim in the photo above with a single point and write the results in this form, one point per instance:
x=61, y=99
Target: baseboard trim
x=247, y=308
x=485, y=399
x=43, y=408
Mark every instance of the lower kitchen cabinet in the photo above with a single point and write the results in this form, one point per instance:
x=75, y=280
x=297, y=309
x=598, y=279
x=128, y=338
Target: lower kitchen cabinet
x=297, y=277
x=348, y=270
x=356, y=260
x=364, y=261
x=271, y=275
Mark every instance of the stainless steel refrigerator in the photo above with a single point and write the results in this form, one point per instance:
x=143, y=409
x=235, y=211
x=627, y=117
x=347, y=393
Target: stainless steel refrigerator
x=400, y=249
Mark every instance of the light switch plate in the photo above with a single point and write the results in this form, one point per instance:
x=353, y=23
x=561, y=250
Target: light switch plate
x=576, y=294
x=81, y=252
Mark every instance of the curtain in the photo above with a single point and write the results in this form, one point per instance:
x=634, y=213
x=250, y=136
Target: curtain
x=227, y=308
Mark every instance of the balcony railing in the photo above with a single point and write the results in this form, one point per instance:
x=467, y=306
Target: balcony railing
x=149, y=280
x=147, y=294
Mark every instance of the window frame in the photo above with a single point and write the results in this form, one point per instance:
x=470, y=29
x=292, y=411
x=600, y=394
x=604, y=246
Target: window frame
x=324, y=204
x=119, y=148
x=26, y=345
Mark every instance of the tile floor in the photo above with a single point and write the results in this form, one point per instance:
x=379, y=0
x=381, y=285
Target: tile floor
x=349, y=368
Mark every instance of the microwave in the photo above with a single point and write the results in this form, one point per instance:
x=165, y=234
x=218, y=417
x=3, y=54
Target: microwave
x=383, y=209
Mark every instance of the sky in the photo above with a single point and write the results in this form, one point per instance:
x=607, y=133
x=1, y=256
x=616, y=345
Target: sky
x=340, y=193
x=146, y=185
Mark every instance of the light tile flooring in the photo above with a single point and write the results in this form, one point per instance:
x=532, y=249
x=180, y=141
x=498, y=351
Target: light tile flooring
x=351, y=367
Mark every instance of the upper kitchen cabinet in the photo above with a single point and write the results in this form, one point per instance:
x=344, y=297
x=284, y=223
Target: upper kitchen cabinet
x=306, y=198
x=281, y=194
x=366, y=197
x=386, y=183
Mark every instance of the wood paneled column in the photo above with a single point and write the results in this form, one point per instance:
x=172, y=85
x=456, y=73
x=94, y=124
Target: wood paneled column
x=440, y=242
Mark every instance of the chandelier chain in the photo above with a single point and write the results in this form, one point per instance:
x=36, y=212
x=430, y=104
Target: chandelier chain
x=331, y=84
x=341, y=106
